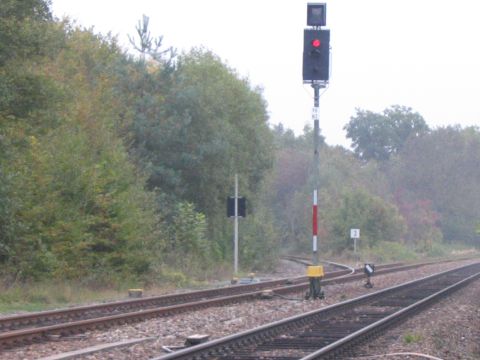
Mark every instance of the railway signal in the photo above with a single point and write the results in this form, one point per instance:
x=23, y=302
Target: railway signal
x=316, y=71
x=236, y=207
x=369, y=270
x=316, y=14
x=316, y=54
x=241, y=205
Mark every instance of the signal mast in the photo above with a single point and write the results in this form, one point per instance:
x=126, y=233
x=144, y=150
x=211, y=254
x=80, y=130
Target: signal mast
x=316, y=63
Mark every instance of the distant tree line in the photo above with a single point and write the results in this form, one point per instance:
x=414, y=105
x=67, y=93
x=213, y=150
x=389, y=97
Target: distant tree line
x=405, y=185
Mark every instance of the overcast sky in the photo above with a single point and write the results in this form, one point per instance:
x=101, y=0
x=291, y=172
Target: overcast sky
x=423, y=54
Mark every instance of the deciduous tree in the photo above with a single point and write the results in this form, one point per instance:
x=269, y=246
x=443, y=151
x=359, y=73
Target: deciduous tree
x=378, y=136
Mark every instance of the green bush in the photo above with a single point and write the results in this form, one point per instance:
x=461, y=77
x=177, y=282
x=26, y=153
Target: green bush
x=436, y=250
x=378, y=220
x=386, y=251
x=176, y=278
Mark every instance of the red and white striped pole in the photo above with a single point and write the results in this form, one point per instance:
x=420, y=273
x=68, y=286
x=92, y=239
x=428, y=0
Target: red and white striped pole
x=316, y=162
x=315, y=222
x=315, y=272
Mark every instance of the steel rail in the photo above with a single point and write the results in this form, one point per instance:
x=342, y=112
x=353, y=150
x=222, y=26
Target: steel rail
x=162, y=300
x=18, y=337
x=20, y=320
x=12, y=338
x=388, y=321
x=245, y=292
x=306, y=262
x=225, y=346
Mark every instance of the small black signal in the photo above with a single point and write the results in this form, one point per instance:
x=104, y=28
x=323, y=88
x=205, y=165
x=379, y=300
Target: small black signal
x=242, y=206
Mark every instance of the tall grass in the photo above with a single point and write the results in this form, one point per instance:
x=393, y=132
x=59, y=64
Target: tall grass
x=43, y=296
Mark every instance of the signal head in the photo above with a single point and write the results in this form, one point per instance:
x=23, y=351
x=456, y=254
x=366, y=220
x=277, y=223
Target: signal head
x=316, y=14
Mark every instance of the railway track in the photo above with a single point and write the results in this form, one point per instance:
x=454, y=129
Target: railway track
x=45, y=318
x=17, y=322
x=329, y=333
x=328, y=264
x=17, y=330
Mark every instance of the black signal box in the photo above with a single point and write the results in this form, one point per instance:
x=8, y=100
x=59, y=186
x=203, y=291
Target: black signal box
x=316, y=54
x=231, y=206
x=316, y=14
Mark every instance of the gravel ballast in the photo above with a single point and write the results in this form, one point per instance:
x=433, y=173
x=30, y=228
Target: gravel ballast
x=450, y=329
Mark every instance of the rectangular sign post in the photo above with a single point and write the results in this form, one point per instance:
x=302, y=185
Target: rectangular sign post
x=235, y=240
x=236, y=207
x=355, y=235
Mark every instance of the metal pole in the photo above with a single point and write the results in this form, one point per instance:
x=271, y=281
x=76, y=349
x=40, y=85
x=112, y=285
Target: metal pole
x=315, y=272
x=357, y=253
x=316, y=163
x=235, y=231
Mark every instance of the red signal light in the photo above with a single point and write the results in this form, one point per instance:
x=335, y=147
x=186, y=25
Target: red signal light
x=316, y=43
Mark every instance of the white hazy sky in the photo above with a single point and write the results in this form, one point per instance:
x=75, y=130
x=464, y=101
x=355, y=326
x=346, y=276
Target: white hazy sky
x=423, y=54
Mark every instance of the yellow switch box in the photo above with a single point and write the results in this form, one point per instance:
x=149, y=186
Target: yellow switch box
x=315, y=271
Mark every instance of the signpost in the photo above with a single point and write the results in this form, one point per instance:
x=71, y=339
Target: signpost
x=355, y=235
x=236, y=208
x=235, y=226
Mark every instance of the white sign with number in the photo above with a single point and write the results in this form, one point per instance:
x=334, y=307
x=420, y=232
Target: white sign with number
x=355, y=233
